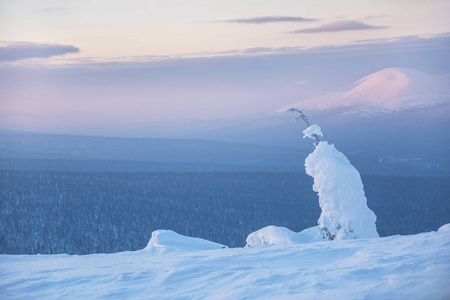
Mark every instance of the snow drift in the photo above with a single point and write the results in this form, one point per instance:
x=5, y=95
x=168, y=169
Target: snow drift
x=163, y=241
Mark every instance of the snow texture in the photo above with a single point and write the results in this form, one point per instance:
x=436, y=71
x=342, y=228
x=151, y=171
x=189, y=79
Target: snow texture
x=345, y=214
x=398, y=267
x=168, y=241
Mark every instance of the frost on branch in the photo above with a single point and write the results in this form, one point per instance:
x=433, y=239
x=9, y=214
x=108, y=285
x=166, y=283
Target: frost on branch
x=345, y=214
x=301, y=116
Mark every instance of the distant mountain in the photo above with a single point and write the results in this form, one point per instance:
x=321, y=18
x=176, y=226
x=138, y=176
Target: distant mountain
x=390, y=120
x=385, y=91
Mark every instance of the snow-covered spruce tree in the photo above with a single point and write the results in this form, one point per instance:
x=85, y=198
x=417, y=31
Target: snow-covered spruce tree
x=345, y=214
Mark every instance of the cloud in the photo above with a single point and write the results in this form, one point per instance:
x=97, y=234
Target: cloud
x=245, y=51
x=339, y=26
x=268, y=19
x=439, y=44
x=375, y=17
x=24, y=50
x=391, y=45
x=301, y=82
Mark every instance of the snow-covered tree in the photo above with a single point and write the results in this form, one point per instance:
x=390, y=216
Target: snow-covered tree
x=345, y=214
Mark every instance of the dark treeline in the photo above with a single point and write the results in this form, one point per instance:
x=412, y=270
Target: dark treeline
x=80, y=213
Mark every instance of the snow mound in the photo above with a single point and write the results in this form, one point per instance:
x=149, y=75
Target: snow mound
x=385, y=91
x=270, y=235
x=309, y=235
x=163, y=241
x=273, y=235
x=444, y=228
x=345, y=214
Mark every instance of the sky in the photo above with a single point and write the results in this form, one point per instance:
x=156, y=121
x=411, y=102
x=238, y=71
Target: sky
x=106, y=28
x=104, y=67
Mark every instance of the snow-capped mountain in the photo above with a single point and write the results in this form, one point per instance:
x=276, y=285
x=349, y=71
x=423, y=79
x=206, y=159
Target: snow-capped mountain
x=366, y=120
x=385, y=91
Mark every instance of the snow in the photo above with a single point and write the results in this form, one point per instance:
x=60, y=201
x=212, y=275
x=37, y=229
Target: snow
x=397, y=267
x=167, y=241
x=385, y=91
x=341, y=194
x=273, y=235
x=444, y=228
x=312, y=131
x=345, y=214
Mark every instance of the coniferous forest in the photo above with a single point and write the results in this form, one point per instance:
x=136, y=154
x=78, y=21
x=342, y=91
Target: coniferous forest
x=95, y=212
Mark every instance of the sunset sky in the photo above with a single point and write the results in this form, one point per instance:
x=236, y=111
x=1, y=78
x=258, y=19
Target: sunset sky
x=106, y=28
x=96, y=66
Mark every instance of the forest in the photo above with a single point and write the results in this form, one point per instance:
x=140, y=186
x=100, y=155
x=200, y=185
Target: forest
x=52, y=212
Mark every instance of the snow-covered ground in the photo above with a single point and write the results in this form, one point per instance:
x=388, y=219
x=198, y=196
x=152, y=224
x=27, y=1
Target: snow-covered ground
x=397, y=267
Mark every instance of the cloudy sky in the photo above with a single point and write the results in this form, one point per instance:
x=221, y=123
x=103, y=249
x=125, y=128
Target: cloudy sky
x=100, y=67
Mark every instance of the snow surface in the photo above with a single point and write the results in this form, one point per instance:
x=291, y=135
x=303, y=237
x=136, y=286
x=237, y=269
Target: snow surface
x=385, y=91
x=345, y=213
x=445, y=228
x=397, y=267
